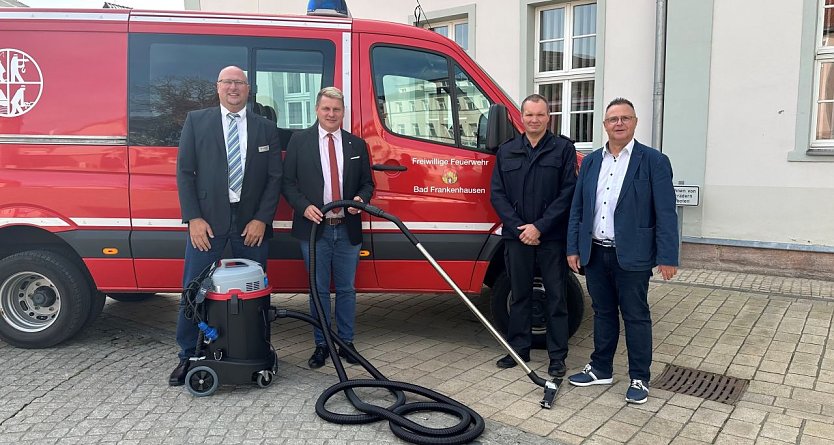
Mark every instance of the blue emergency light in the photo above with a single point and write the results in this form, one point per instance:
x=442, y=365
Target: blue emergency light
x=335, y=8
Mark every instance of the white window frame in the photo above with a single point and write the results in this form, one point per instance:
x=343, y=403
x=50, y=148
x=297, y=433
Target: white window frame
x=305, y=113
x=568, y=75
x=456, y=14
x=450, y=24
x=823, y=54
x=302, y=81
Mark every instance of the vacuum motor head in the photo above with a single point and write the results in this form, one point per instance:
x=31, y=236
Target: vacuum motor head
x=240, y=274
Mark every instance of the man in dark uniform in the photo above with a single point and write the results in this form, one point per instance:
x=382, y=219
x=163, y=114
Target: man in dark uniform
x=532, y=188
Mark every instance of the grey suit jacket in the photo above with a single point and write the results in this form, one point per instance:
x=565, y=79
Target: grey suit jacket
x=203, y=178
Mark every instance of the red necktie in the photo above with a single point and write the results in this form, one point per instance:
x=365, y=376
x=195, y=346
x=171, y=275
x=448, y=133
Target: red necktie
x=334, y=169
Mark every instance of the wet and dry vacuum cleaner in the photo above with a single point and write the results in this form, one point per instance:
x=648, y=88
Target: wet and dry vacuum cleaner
x=234, y=334
x=230, y=304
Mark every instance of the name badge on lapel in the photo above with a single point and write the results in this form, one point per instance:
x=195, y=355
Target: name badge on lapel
x=263, y=148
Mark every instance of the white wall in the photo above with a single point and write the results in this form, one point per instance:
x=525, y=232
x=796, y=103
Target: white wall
x=752, y=192
x=628, y=69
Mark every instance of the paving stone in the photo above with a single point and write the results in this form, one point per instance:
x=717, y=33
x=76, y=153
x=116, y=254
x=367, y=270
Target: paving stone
x=644, y=438
x=741, y=429
x=781, y=432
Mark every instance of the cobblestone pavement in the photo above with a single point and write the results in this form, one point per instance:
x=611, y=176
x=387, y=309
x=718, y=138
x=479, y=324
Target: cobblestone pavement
x=107, y=385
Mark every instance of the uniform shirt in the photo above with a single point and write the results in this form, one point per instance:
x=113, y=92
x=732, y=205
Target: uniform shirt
x=242, y=134
x=324, y=154
x=611, y=174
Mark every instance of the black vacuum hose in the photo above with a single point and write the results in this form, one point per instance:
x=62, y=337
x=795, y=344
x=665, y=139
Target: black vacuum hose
x=470, y=424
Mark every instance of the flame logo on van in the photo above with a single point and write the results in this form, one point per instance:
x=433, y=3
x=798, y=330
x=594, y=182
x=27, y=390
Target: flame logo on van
x=21, y=82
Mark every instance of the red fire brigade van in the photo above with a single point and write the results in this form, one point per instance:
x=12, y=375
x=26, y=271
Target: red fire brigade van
x=91, y=107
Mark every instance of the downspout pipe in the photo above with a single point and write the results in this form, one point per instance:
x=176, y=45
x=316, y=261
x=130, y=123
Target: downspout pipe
x=659, y=74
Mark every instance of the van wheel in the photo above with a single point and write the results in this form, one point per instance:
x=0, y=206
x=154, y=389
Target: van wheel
x=44, y=299
x=502, y=296
x=96, y=306
x=131, y=298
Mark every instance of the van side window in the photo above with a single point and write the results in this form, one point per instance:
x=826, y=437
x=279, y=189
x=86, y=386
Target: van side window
x=286, y=86
x=416, y=98
x=412, y=89
x=170, y=75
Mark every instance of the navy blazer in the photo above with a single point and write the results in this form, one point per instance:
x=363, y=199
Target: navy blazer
x=303, y=182
x=203, y=171
x=645, y=220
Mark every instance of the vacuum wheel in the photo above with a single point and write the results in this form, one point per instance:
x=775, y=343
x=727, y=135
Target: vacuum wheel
x=202, y=381
x=264, y=378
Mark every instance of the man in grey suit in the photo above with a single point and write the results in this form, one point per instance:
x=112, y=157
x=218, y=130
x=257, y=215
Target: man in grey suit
x=229, y=183
x=324, y=164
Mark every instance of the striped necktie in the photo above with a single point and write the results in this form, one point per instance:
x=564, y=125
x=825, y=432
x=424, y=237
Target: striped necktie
x=233, y=155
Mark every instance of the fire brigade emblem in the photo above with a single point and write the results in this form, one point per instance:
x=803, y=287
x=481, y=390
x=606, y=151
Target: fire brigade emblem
x=21, y=82
x=449, y=177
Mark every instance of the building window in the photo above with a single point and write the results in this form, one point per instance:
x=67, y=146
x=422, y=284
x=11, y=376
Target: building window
x=823, y=129
x=565, y=67
x=456, y=30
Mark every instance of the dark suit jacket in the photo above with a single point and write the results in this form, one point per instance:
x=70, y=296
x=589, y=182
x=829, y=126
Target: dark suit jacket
x=304, y=182
x=203, y=171
x=645, y=220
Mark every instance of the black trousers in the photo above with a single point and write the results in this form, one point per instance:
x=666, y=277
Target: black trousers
x=521, y=263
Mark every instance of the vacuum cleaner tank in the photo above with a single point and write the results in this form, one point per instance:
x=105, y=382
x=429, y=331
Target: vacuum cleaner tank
x=241, y=274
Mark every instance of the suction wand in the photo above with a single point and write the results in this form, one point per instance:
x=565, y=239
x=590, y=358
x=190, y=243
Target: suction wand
x=551, y=387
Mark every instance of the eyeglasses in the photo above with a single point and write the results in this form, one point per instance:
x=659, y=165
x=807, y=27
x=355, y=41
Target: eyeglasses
x=613, y=120
x=230, y=82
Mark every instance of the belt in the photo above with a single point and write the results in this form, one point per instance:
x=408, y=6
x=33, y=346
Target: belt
x=603, y=243
x=334, y=221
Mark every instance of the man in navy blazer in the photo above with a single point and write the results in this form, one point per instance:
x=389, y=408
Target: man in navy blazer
x=324, y=164
x=622, y=223
x=229, y=183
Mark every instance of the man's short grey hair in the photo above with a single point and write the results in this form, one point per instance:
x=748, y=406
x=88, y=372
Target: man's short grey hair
x=620, y=101
x=533, y=98
x=331, y=92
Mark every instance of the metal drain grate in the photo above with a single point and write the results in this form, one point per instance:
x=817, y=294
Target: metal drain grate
x=707, y=385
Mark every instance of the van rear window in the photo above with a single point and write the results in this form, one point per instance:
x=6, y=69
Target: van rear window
x=172, y=74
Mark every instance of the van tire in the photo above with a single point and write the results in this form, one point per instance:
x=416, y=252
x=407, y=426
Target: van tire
x=131, y=298
x=96, y=306
x=501, y=293
x=45, y=299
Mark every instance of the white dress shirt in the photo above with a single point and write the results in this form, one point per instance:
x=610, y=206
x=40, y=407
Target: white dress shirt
x=324, y=154
x=610, y=182
x=242, y=135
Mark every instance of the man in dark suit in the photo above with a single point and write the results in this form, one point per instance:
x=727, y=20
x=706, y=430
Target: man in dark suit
x=532, y=186
x=324, y=164
x=229, y=183
x=622, y=223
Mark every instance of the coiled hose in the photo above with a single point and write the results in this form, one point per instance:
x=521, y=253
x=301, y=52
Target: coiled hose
x=470, y=424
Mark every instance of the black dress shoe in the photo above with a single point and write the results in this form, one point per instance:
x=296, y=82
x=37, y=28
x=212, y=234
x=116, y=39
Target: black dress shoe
x=508, y=362
x=348, y=358
x=557, y=368
x=177, y=377
x=318, y=357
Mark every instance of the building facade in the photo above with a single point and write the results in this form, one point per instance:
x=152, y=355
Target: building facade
x=740, y=97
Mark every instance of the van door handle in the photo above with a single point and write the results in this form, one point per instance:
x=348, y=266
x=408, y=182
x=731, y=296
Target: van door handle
x=389, y=168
